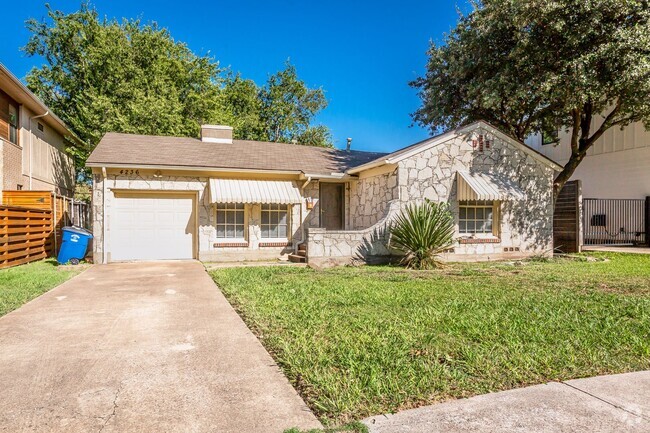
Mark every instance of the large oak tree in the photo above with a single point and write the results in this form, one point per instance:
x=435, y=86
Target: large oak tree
x=540, y=65
x=104, y=75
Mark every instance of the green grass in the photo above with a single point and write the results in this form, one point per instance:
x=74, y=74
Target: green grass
x=362, y=341
x=23, y=283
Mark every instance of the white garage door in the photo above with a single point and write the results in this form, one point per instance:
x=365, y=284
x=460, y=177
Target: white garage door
x=152, y=227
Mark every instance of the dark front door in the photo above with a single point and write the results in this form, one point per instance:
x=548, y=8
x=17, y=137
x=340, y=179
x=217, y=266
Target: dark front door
x=331, y=206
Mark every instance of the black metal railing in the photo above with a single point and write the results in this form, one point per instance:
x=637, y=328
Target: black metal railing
x=614, y=221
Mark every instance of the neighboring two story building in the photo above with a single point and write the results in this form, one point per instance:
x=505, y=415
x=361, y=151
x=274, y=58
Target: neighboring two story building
x=33, y=142
x=614, y=179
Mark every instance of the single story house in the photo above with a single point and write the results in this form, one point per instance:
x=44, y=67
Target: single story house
x=220, y=199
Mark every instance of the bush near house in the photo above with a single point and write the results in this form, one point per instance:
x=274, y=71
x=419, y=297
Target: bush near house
x=362, y=341
x=422, y=232
x=23, y=283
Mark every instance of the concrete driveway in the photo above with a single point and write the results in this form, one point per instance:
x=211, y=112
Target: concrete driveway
x=139, y=347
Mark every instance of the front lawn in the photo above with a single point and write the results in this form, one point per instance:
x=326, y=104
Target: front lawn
x=362, y=341
x=23, y=283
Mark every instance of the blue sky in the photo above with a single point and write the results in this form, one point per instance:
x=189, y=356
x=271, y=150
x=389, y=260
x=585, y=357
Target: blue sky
x=362, y=53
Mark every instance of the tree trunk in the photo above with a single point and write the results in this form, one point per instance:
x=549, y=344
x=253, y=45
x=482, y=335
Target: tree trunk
x=566, y=173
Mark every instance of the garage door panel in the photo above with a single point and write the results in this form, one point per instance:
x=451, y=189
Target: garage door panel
x=152, y=227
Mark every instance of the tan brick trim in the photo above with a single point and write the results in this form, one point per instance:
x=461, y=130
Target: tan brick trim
x=275, y=244
x=231, y=245
x=479, y=241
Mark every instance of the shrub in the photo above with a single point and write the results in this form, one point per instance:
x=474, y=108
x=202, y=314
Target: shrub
x=422, y=232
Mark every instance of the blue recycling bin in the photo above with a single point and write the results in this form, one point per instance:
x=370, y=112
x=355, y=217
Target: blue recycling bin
x=74, y=245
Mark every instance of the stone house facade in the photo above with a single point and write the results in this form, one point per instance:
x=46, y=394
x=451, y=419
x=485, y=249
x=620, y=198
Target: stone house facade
x=219, y=199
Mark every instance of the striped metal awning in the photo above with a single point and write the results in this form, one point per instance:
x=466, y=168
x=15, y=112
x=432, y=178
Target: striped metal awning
x=254, y=191
x=487, y=187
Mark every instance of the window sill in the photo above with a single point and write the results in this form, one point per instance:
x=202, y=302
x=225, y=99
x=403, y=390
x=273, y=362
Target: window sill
x=479, y=240
x=274, y=243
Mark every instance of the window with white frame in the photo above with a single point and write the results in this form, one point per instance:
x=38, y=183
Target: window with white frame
x=275, y=221
x=230, y=220
x=476, y=217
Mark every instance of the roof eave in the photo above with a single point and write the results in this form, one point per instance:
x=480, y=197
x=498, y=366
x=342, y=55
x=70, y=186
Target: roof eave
x=367, y=166
x=36, y=105
x=188, y=168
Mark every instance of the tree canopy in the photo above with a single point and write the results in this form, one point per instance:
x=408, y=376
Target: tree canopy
x=104, y=75
x=540, y=66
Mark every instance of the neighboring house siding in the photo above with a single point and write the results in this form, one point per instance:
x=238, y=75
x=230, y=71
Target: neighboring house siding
x=50, y=166
x=369, y=198
x=616, y=165
x=526, y=225
x=623, y=174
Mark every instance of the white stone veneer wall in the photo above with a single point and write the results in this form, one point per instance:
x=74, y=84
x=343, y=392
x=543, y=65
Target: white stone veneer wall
x=208, y=246
x=369, y=198
x=526, y=226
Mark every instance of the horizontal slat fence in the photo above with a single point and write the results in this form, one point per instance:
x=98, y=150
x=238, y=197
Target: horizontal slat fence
x=26, y=235
x=41, y=200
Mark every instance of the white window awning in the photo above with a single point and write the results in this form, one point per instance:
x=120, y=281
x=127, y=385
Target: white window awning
x=254, y=191
x=490, y=187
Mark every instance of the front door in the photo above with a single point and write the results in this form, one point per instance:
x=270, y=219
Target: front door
x=331, y=205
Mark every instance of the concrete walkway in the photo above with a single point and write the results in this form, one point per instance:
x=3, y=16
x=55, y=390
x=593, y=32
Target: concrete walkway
x=617, y=403
x=149, y=347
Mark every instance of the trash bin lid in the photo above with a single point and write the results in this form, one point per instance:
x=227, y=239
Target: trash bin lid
x=78, y=230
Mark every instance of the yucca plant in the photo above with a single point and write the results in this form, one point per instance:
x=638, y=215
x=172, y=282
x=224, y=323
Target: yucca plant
x=422, y=232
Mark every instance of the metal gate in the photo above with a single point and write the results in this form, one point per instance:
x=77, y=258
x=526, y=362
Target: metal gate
x=614, y=221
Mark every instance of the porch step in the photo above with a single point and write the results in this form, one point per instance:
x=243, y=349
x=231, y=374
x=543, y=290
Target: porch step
x=302, y=247
x=295, y=258
x=302, y=253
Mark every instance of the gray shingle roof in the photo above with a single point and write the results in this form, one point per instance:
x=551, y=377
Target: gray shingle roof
x=146, y=150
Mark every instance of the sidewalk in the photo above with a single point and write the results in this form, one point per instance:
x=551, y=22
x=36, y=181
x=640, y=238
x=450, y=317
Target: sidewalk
x=617, y=403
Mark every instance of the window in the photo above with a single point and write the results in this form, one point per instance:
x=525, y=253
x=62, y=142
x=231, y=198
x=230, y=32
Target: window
x=13, y=124
x=275, y=221
x=41, y=127
x=550, y=138
x=476, y=217
x=230, y=220
x=550, y=132
x=8, y=119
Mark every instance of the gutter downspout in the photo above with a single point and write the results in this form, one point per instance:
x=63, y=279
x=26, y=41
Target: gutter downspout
x=31, y=146
x=104, y=252
x=302, y=216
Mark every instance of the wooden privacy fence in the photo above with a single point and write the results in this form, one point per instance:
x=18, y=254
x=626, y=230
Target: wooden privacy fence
x=31, y=224
x=45, y=200
x=25, y=235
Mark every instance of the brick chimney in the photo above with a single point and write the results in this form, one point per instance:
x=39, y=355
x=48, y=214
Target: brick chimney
x=216, y=134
